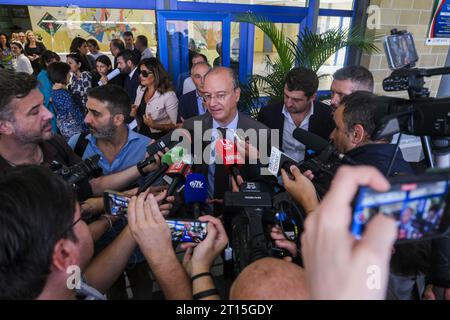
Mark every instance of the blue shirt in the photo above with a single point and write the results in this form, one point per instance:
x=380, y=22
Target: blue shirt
x=231, y=129
x=131, y=153
x=46, y=88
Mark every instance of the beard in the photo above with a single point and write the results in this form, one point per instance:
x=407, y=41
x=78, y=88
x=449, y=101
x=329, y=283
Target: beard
x=106, y=132
x=27, y=136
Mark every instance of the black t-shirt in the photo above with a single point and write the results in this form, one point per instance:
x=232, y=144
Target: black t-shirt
x=56, y=149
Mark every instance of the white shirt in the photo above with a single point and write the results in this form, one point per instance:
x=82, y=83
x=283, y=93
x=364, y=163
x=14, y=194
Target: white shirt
x=22, y=64
x=188, y=85
x=290, y=145
x=163, y=108
x=132, y=73
x=147, y=53
x=231, y=129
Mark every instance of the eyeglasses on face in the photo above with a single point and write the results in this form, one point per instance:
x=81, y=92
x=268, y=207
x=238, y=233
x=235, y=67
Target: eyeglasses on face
x=221, y=96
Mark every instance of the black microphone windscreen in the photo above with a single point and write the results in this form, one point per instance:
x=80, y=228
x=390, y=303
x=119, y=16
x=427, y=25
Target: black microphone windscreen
x=310, y=140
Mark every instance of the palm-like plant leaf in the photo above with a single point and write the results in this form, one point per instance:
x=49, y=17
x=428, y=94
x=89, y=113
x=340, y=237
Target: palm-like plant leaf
x=311, y=50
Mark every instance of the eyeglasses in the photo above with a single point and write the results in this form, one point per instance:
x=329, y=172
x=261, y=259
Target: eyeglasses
x=145, y=74
x=220, y=96
x=63, y=234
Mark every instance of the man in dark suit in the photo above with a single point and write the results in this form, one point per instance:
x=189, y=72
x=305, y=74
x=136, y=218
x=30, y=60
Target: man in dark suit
x=127, y=63
x=300, y=110
x=130, y=45
x=191, y=104
x=221, y=95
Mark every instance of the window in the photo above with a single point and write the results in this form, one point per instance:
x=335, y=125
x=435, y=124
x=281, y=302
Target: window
x=336, y=61
x=291, y=3
x=336, y=4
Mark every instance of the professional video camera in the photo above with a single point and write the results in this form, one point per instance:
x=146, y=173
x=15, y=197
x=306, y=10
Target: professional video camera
x=73, y=175
x=257, y=211
x=421, y=115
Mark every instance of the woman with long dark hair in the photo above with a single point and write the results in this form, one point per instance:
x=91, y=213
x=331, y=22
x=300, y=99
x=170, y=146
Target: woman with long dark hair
x=5, y=52
x=156, y=104
x=80, y=45
x=81, y=80
x=103, y=67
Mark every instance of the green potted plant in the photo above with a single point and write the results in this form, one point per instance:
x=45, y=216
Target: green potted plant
x=311, y=50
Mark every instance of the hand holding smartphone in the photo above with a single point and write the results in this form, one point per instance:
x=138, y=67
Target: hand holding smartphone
x=419, y=204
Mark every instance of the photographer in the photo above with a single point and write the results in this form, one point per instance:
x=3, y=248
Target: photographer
x=26, y=137
x=44, y=243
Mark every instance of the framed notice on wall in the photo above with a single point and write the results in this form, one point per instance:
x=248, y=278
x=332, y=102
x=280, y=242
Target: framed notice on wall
x=439, y=28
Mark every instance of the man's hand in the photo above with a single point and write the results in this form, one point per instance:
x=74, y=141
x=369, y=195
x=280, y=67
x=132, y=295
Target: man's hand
x=148, y=226
x=283, y=243
x=338, y=266
x=300, y=188
x=92, y=206
x=200, y=257
x=165, y=203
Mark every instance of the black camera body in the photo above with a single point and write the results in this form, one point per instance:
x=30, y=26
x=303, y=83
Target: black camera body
x=86, y=169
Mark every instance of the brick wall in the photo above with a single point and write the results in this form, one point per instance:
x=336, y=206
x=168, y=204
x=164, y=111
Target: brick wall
x=414, y=16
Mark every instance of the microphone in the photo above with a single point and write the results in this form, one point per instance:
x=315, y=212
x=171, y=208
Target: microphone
x=195, y=192
x=279, y=160
x=111, y=75
x=170, y=157
x=320, y=145
x=178, y=172
x=227, y=151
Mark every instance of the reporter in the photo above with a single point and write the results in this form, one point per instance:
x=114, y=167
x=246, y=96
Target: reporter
x=152, y=234
x=199, y=259
x=301, y=189
x=330, y=253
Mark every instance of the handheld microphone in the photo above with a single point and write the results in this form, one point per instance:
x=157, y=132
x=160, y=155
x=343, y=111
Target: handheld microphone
x=227, y=151
x=279, y=160
x=178, y=171
x=111, y=75
x=195, y=192
x=169, y=158
x=320, y=145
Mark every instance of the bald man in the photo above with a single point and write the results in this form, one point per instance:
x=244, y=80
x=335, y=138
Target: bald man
x=270, y=279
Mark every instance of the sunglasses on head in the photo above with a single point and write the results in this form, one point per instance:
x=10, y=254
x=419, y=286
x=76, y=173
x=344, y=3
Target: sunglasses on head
x=145, y=73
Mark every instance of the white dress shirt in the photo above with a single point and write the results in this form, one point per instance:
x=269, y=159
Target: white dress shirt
x=290, y=145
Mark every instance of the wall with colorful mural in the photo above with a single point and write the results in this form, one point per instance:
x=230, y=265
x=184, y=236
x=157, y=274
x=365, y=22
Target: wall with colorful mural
x=59, y=25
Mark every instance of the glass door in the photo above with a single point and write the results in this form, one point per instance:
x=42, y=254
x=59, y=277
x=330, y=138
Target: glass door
x=182, y=34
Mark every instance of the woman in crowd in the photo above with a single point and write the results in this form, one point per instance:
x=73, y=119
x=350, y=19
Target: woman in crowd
x=20, y=62
x=5, y=52
x=46, y=87
x=156, y=104
x=33, y=50
x=103, y=67
x=79, y=45
x=94, y=48
x=81, y=80
x=69, y=117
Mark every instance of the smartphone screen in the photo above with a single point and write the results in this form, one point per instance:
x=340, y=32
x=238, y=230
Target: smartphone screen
x=420, y=208
x=188, y=230
x=400, y=50
x=116, y=203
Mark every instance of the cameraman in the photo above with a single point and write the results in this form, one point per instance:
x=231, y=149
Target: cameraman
x=355, y=120
x=44, y=244
x=26, y=137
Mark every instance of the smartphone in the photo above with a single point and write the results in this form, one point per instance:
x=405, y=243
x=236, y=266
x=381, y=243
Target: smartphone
x=187, y=230
x=419, y=204
x=116, y=203
x=400, y=50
